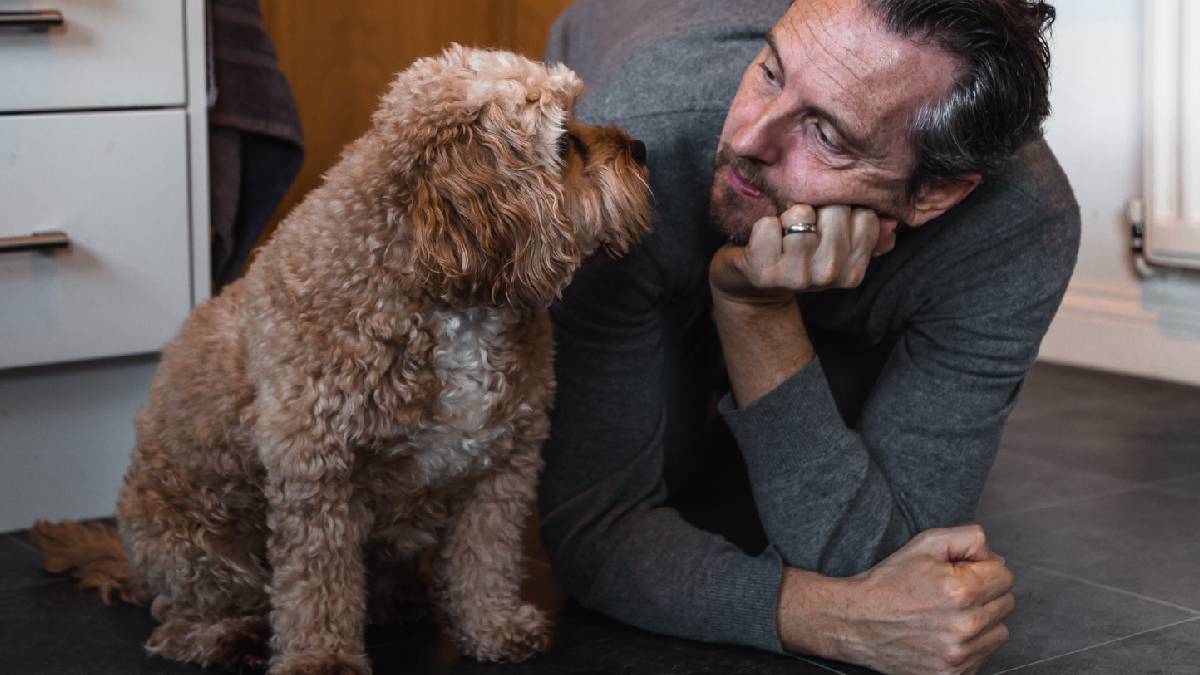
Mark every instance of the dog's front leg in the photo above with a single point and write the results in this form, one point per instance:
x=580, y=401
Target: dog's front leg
x=477, y=570
x=318, y=529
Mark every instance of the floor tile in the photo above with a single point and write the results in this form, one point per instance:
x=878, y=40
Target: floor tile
x=20, y=565
x=1050, y=388
x=1047, y=603
x=1146, y=541
x=841, y=668
x=1019, y=483
x=1189, y=485
x=589, y=644
x=1168, y=651
x=1131, y=438
x=54, y=628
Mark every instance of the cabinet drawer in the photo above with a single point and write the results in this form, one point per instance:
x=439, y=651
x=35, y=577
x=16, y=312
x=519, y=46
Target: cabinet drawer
x=116, y=184
x=107, y=54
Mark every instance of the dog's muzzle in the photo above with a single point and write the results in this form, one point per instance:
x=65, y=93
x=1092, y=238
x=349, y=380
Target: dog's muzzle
x=638, y=150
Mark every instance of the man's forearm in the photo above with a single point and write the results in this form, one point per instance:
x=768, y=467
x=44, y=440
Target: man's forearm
x=764, y=345
x=797, y=448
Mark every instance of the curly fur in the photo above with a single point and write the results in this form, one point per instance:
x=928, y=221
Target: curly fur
x=378, y=383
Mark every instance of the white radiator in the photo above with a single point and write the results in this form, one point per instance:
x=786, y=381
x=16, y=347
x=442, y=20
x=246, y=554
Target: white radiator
x=1172, y=133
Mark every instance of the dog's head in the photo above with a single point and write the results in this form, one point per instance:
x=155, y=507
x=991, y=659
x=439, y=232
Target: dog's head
x=502, y=193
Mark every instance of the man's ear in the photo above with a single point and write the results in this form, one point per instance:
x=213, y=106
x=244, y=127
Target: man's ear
x=940, y=196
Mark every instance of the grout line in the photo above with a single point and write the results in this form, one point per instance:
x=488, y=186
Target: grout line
x=822, y=666
x=1065, y=502
x=1134, y=486
x=1177, y=492
x=1115, y=589
x=1173, y=479
x=1166, y=482
x=1101, y=644
x=23, y=543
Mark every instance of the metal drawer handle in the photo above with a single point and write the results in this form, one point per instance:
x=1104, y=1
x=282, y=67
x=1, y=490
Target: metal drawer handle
x=42, y=241
x=39, y=19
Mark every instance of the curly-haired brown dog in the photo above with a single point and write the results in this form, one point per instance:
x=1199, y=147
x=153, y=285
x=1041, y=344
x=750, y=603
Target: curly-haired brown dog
x=377, y=383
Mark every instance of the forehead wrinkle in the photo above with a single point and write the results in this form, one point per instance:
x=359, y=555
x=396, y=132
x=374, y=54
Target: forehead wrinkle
x=846, y=48
x=877, y=66
x=809, y=28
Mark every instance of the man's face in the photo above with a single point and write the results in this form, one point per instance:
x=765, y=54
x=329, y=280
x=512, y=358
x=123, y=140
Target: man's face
x=823, y=116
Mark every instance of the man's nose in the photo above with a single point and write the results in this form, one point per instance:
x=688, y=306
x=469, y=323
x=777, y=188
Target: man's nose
x=758, y=138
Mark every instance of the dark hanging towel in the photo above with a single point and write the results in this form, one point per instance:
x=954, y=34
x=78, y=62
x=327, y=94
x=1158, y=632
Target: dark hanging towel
x=255, y=144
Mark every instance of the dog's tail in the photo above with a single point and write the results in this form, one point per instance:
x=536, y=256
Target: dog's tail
x=94, y=554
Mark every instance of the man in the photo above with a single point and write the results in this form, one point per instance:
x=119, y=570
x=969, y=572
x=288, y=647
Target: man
x=865, y=277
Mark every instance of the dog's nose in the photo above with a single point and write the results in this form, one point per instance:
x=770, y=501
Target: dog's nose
x=638, y=150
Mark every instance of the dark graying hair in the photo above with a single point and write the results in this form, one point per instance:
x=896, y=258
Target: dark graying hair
x=1002, y=94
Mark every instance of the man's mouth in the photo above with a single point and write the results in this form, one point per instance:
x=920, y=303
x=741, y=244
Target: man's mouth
x=744, y=187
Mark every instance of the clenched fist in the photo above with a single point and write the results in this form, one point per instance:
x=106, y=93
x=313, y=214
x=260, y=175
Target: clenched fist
x=934, y=607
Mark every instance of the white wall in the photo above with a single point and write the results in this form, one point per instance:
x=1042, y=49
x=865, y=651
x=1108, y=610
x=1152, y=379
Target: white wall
x=1110, y=318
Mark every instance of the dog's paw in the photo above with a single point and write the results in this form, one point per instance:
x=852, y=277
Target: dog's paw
x=515, y=637
x=321, y=665
x=245, y=651
x=240, y=645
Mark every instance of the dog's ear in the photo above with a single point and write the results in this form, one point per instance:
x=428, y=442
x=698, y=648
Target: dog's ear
x=481, y=237
x=487, y=218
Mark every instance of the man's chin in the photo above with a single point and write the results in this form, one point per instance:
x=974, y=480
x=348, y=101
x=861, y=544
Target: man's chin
x=734, y=222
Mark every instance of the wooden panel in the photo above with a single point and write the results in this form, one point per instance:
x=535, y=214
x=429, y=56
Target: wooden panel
x=340, y=56
x=534, y=18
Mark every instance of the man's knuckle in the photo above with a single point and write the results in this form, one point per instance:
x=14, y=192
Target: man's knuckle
x=1009, y=604
x=956, y=656
x=967, y=627
x=958, y=593
x=825, y=274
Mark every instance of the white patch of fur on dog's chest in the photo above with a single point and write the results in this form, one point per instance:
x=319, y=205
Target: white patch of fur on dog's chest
x=462, y=360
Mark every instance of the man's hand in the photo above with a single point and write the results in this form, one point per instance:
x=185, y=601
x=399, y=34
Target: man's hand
x=934, y=606
x=754, y=288
x=773, y=265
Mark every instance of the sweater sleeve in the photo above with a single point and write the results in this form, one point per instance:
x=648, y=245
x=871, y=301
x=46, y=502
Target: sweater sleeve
x=615, y=544
x=837, y=500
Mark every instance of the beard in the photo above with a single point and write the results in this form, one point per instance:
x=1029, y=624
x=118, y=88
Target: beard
x=729, y=212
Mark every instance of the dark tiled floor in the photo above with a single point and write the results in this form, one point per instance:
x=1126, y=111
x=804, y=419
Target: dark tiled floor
x=1094, y=500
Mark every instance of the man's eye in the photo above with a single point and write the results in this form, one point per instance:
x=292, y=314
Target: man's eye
x=825, y=138
x=767, y=72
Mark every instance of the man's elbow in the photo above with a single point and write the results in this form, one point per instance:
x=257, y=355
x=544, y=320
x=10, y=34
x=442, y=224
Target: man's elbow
x=565, y=548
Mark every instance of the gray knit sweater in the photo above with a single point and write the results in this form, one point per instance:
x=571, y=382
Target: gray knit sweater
x=890, y=431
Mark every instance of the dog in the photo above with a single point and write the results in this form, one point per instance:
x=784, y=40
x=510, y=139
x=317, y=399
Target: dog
x=376, y=385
